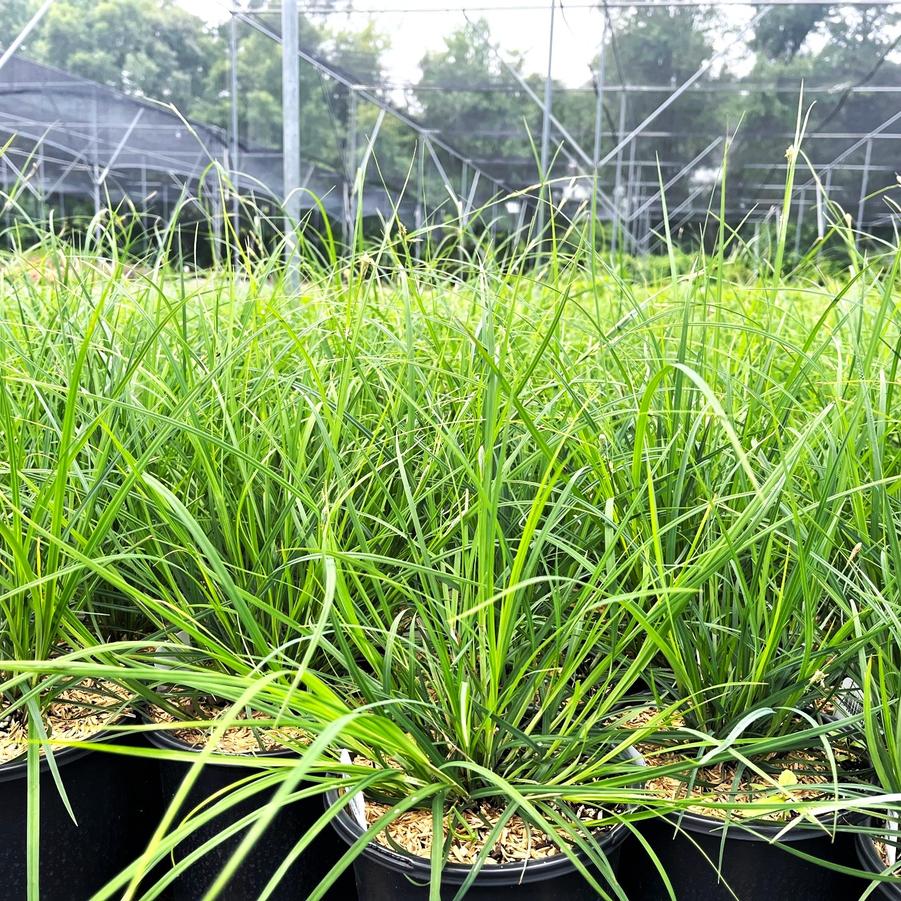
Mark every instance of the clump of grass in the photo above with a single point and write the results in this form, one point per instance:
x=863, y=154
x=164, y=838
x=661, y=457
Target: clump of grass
x=453, y=517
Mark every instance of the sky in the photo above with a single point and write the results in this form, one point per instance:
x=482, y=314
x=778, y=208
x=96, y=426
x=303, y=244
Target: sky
x=521, y=25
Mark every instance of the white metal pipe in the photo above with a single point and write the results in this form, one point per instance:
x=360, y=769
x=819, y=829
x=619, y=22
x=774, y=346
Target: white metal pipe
x=545, y=191
x=234, y=162
x=698, y=74
x=369, y=97
x=291, y=136
x=599, y=87
x=864, y=184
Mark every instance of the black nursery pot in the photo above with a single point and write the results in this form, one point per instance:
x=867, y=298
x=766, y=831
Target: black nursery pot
x=383, y=875
x=116, y=803
x=870, y=861
x=752, y=867
x=257, y=868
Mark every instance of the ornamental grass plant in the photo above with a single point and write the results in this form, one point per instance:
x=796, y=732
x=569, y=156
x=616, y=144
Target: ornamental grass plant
x=464, y=517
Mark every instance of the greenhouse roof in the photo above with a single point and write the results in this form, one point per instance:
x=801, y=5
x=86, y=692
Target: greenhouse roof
x=66, y=135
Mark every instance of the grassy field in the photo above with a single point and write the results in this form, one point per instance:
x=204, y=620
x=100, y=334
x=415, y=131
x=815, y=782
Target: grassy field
x=464, y=517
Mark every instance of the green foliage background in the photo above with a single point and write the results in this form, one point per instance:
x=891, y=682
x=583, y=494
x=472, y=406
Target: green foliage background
x=154, y=48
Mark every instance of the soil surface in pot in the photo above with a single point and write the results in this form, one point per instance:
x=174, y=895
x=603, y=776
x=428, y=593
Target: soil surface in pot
x=800, y=776
x=797, y=777
x=244, y=739
x=77, y=714
x=519, y=840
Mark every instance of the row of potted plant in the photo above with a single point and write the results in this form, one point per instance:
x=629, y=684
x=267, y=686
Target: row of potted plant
x=460, y=585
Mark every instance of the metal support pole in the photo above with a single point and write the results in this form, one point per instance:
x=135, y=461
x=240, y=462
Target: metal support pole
x=350, y=168
x=698, y=74
x=545, y=189
x=631, y=192
x=799, y=222
x=367, y=153
x=369, y=96
x=599, y=105
x=598, y=133
x=464, y=189
x=352, y=146
x=821, y=218
x=463, y=209
x=291, y=137
x=346, y=213
x=95, y=167
x=617, y=183
x=471, y=198
x=417, y=225
x=577, y=149
x=419, y=213
x=42, y=187
x=234, y=162
x=214, y=192
x=577, y=153
x=864, y=186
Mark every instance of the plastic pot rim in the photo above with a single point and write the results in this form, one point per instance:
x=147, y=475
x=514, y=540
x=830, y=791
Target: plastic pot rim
x=420, y=868
x=870, y=861
x=742, y=830
x=18, y=767
x=747, y=829
x=166, y=741
x=62, y=754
